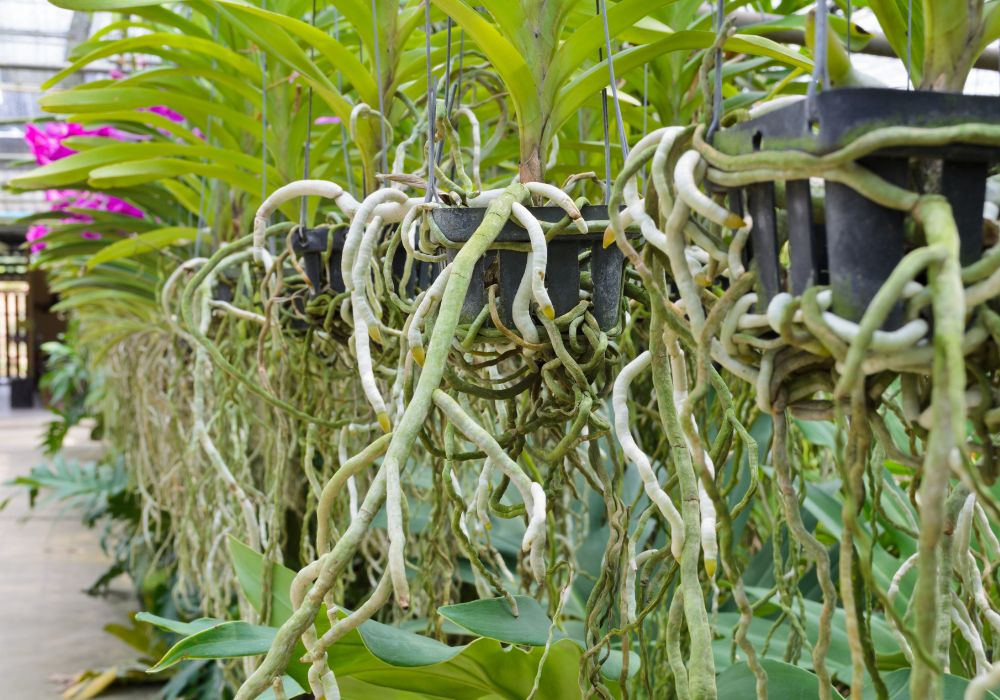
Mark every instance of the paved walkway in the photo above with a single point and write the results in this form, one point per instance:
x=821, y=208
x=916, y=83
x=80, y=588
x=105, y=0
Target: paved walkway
x=49, y=629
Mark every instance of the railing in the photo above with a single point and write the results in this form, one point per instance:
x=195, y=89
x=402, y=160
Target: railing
x=14, y=340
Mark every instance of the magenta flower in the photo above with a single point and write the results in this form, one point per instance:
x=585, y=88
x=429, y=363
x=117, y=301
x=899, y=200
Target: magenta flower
x=327, y=120
x=47, y=146
x=164, y=111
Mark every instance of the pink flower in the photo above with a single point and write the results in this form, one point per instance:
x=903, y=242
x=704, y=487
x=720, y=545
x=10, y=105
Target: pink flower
x=327, y=120
x=47, y=146
x=164, y=111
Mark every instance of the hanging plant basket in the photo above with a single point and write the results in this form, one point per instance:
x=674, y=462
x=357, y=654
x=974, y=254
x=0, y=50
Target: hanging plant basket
x=858, y=243
x=225, y=287
x=567, y=264
x=310, y=245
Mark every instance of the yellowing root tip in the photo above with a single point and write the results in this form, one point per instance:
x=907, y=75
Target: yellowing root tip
x=375, y=334
x=383, y=420
x=609, y=237
x=550, y=313
x=418, y=355
x=735, y=222
x=710, y=567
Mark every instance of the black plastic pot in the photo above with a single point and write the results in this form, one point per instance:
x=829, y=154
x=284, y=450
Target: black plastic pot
x=310, y=245
x=859, y=244
x=562, y=273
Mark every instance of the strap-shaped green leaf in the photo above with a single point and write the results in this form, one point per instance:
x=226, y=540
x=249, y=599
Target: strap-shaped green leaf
x=148, y=242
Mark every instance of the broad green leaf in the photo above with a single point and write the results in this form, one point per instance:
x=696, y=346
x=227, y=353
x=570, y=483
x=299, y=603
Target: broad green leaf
x=274, y=41
x=102, y=5
x=146, y=118
x=139, y=172
x=104, y=99
x=383, y=656
x=401, y=648
x=590, y=82
x=821, y=433
x=892, y=19
x=227, y=640
x=158, y=40
x=493, y=618
x=143, y=243
x=990, y=26
x=84, y=298
x=882, y=639
x=898, y=685
x=176, y=626
x=290, y=687
x=506, y=60
x=784, y=681
x=249, y=567
x=182, y=79
x=587, y=39
x=335, y=52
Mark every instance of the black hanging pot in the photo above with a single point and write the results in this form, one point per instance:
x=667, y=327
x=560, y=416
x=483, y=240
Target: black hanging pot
x=562, y=272
x=860, y=242
x=225, y=287
x=310, y=244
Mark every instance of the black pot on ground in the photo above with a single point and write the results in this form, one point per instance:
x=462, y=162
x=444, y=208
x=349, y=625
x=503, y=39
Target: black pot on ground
x=567, y=259
x=860, y=242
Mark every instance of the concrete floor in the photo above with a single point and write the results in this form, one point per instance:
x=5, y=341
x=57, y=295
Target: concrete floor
x=49, y=629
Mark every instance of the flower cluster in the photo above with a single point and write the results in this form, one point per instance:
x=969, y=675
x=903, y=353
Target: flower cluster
x=47, y=145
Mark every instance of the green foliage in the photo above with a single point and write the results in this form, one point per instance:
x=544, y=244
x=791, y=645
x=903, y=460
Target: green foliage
x=66, y=385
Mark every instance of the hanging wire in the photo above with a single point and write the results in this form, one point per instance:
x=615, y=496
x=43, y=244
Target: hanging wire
x=602, y=7
x=381, y=91
x=645, y=114
x=431, y=106
x=909, y=43
x=208, y=141
x=604, y=119
x=263, y=128
x=455, y=98
x=713, y=126
x=447, y=62
x=303, y=206
x=849, y=10
x=820, y=73
x=343, y=129
x=645, y=98
x=447, y=79
x=263, y=119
